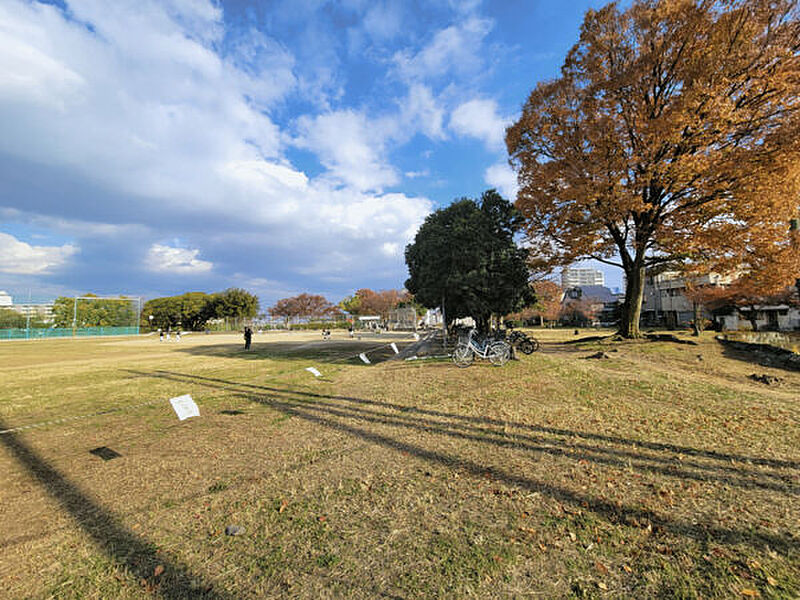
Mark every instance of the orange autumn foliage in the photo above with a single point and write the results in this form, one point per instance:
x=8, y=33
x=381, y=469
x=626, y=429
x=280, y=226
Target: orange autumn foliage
x=672, y=136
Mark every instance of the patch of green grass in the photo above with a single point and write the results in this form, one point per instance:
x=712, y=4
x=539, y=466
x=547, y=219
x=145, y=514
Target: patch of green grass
x=219, y=486
x=327, y=560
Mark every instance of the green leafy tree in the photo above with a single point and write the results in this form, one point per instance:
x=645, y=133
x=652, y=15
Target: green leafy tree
x=465, y=256
x=236, y=304
x=351, y=304
x=196, y=308
x=166, y=312
x=11, y=319
x=102, y=312
x=193, y=310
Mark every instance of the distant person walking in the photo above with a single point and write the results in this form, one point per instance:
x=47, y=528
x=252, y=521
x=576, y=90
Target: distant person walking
x=160, y=335
x=178, y=335
x=248, y=337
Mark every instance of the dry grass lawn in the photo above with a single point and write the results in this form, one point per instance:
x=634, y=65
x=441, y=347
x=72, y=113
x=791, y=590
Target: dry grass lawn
x=659, y=472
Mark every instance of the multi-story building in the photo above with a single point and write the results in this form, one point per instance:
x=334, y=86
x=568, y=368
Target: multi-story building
x=665, y=302
x=573, y=277
x=42, y=311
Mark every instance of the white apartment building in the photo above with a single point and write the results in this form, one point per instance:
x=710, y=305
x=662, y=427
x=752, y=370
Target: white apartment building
x=574, y=277
x=42, y=311
x=665, y=301
x=665, y=304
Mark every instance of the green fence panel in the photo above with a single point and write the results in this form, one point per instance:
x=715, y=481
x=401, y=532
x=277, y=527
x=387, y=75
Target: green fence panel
x=28, y=334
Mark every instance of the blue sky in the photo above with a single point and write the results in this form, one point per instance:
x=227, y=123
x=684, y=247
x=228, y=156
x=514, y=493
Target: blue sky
x=157, y=147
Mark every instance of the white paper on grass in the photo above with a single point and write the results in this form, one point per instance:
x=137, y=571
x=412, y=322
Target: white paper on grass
x=313, y=371
x=363, y=357
x=394, y=347
x=184, y=407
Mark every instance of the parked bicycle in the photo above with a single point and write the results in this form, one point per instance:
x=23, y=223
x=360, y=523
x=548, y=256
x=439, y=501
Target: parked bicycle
x=526, y=344
x=497, y=352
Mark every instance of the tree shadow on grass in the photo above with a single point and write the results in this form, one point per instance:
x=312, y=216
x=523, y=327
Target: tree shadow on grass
x=131, y=551
x=350, y=415
x=343, y=351
x=760, y=354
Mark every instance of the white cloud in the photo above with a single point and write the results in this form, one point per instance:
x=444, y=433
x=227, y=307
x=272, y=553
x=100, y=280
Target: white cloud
x=454, y=49
x=143, y=105
x=390, y=249
x=422, y=112
x=23, y=259
x=136, y=101
x=479, y=119
x=180, y=261
x=502, y=177
x=351, y=147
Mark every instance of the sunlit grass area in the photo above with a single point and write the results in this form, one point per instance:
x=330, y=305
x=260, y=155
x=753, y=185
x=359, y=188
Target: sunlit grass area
x=658, y=471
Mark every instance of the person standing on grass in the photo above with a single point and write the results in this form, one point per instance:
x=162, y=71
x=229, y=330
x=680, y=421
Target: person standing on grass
x=248, y=337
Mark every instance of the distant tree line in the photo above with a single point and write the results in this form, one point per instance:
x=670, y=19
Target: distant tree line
x=193, y=310
x=11, y=319
x=303, y=306
x=102, y=312
x=368, y=302
x=364, y=302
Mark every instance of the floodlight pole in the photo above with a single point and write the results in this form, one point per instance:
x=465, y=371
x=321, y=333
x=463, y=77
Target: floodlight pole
x=74, y=315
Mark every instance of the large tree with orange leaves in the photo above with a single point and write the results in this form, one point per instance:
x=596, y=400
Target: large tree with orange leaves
x=308, y=306
x=547, y=307
x=672, y=136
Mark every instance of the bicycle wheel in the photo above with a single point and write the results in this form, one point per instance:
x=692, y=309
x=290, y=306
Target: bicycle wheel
x=526, y=347
x=462, y=356
x=535, y=343
x=499, y=353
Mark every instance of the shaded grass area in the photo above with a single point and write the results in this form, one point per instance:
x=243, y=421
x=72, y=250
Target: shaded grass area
x=652, y=474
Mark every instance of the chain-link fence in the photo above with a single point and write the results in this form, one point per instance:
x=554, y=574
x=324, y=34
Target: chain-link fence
x=36, y=333
x=25, y=318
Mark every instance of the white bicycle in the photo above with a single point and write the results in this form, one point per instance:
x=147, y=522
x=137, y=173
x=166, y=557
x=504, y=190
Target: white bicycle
x=496, y=352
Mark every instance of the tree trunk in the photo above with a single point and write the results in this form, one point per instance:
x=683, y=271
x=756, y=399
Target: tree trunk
x=632, y=307
x=482, y=323
x=697, y=325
